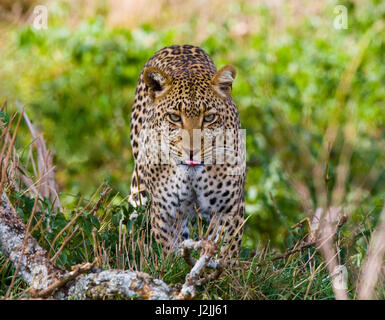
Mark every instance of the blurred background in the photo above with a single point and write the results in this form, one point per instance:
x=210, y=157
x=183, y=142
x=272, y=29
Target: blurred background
x=310, y=95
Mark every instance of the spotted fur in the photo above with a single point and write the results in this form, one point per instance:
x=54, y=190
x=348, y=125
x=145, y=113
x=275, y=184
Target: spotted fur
x=182, y=82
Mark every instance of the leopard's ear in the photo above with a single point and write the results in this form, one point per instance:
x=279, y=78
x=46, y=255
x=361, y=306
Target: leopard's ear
x=223, y=80
x=157, y=81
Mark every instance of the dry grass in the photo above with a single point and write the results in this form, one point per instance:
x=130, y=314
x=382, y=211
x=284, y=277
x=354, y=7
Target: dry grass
x=174, y=14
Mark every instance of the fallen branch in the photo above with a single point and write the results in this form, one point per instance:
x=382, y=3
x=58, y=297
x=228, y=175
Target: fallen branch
x=114, y=283
x=77, y=270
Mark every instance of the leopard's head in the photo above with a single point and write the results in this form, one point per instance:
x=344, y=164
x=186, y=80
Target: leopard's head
x=191, y=109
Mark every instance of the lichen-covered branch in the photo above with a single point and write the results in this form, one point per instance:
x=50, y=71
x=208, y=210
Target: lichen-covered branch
x=24, y=252
x=122, y=284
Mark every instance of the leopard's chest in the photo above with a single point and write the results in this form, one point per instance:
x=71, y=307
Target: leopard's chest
x=187, y=190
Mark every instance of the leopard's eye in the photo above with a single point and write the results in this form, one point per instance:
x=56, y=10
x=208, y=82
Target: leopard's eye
x=209, y=117
x=174, y=117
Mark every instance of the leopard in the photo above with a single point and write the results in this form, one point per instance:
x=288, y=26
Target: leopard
x=183, y=103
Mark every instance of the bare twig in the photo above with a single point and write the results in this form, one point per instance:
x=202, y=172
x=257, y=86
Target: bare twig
x=193, y=279
x=46, y=170
x=310, y=241
x=65, y=242
x=7, y=157
x=374, y=261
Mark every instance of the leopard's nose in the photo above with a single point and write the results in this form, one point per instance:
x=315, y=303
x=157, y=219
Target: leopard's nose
x=193, y=155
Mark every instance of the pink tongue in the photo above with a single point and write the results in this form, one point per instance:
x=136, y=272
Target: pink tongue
x=192, y=163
